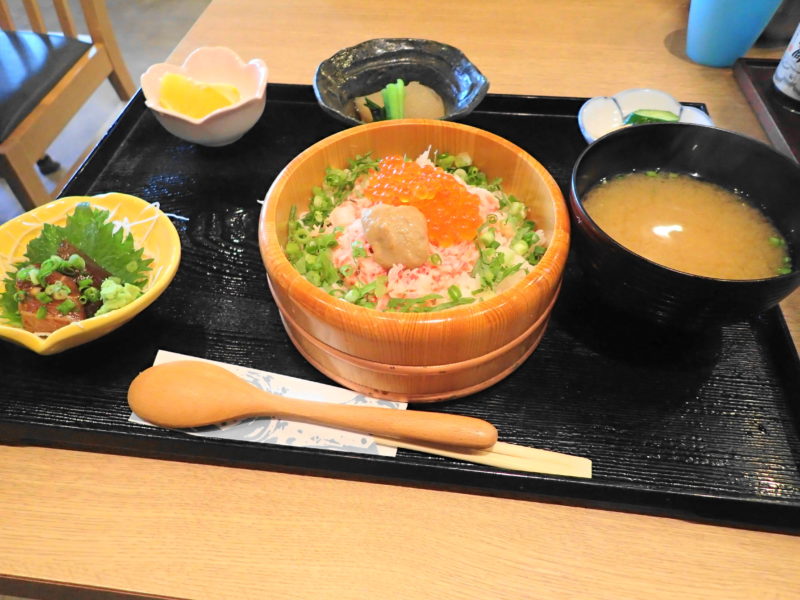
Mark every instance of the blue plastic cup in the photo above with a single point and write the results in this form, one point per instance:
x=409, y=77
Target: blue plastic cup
x=720, y=31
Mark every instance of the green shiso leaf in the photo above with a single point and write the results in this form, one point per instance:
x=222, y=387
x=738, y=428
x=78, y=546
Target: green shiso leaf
x=88, y=230
x=9, y=309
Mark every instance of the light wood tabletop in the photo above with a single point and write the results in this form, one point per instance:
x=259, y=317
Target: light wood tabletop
x=109, y=525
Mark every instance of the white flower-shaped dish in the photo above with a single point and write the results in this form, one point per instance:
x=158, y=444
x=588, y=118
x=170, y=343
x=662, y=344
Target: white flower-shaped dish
x=212, y=65
x=603, y=114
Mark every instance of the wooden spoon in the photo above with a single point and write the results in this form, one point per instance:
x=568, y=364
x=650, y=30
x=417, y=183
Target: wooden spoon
x=191, y=393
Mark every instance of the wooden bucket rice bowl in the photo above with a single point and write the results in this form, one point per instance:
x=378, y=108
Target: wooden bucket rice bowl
x=416, y=357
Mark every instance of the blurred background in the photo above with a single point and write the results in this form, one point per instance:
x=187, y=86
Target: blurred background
x=147, y=31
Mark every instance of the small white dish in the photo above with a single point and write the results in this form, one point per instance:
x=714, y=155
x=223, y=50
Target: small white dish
x=212, y=65
x=603, y=114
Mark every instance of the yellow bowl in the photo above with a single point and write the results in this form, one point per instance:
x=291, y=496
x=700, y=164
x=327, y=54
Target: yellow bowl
x=152, y=230
x=418, y=357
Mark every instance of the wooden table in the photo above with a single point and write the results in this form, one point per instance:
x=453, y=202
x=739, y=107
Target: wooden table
x=103, y=522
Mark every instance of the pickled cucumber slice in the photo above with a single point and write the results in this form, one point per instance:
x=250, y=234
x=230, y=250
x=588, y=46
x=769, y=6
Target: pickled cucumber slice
x=638, y=117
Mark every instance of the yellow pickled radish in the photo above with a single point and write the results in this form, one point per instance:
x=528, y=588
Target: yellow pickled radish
x=195, y=99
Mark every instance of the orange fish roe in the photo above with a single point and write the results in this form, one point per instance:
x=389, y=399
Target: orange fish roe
x=450, y=210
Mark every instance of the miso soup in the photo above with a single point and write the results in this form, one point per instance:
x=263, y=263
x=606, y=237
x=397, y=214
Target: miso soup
x=688, y=225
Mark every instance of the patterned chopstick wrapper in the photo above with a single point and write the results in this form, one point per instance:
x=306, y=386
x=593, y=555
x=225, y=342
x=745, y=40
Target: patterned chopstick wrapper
x=290, y=433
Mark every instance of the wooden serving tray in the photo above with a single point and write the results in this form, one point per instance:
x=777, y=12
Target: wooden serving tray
x=703, y=428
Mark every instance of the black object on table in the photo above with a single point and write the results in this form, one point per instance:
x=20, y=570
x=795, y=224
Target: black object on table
x=701, y=427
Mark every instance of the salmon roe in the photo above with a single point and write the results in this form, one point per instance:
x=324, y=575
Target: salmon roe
x=450, y=210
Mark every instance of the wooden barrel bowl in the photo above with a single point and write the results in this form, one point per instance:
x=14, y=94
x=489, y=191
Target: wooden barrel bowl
x=416, y=357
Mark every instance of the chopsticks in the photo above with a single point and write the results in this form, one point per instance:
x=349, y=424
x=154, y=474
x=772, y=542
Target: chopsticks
x=507, y=456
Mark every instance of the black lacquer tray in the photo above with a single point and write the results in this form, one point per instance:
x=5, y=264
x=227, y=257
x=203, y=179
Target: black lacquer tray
x=778, y=114
x=700, y=427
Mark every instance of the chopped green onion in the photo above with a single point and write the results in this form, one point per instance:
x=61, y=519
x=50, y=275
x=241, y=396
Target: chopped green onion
x=412, y=304
x=293, y=250
x=380, y=285
x=24, y=273
x=776, y=241
x=50, y=265
x=333, y=178
x=41, y=312
x=487, y=254
x=520, y=247
x=314, y=278
x=358, y=250
x=43, y=297
x=461, y=174
x=436, y=259
x=463, y=159
x=92, y=294
x=454, y=303
x=66, y=306
x=516, y=209
x=445, y=161
x=486, y=237
x=327, y=240
x=75, y=261
x=58, y=290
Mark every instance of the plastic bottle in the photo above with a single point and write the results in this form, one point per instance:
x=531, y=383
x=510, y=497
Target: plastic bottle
x=787, y=74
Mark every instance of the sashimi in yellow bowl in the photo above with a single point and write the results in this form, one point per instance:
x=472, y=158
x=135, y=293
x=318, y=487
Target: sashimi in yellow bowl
x=80, y=267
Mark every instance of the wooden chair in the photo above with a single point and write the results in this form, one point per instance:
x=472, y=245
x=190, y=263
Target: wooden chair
x=45, y=78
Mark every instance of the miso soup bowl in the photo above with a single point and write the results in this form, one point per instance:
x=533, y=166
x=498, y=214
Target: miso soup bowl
x=419, y=357
x=627, y=281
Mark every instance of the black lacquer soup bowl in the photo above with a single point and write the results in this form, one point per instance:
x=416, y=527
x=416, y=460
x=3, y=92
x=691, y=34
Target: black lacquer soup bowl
x=643, y=289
